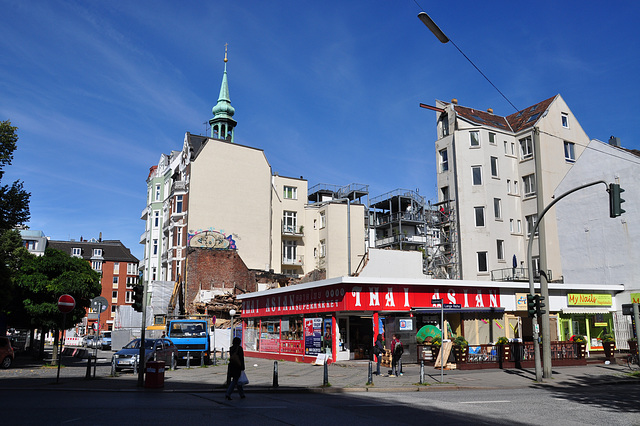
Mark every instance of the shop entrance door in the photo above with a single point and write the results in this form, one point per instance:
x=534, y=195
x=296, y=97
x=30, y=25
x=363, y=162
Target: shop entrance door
x=360, y=337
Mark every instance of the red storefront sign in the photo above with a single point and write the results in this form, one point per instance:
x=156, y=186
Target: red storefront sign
x=366, y=297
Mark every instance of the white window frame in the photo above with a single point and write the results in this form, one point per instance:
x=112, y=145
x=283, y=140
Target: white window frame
x=128, y=297
x=508, y=186
x=495, y=171
x=492, y=138
x=569, y=152
x=132, y=269
x=479, y=218
x=479, y=175
x=76, y=251
x=323, y=248
x=96, y=265
x=155, y=246
x=519, y=227
x=497, y=208
x=157, y=196
x=97, y=252
x=479, y=257
x=511, y=225
x=529, y=184
x=565, y=120
x=444, y=160
x=323, y=220
x=515, y=187
x=156, y=218
x=526, y=148
x=531, y=223
x=179, y=208
x=500, y=250
x=289, y=221
x=290, y=193
x=474, y=139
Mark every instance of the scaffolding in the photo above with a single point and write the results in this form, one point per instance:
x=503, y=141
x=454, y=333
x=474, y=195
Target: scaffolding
x=443, y=257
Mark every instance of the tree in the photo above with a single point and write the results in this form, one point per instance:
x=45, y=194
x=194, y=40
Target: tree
x=14, y=200
x=43, y=279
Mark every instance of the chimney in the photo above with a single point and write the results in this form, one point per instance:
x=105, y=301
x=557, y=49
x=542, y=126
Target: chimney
x=490, y=110
x=614, y=141
x=100, y=238
x=454, y=101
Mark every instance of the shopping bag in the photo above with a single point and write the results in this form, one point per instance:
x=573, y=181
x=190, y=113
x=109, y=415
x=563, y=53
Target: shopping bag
x=243, y=379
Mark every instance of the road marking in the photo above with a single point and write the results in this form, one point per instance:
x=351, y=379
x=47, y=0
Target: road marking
x=482, y=402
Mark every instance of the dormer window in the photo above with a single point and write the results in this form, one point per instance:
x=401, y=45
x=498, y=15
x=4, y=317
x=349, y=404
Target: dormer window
x=76, y=252
x=97, y=252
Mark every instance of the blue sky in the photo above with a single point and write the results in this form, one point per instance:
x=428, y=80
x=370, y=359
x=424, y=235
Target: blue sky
x=330, y=90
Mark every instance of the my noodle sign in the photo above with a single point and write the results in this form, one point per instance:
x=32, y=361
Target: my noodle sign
x=66, y=303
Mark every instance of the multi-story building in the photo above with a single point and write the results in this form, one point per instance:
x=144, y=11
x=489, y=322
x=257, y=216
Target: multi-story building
x=221, y=194
x=34, y=241
x=494, y=174
x=117, y=267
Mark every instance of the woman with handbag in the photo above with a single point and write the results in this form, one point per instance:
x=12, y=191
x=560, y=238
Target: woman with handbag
x=235, y=369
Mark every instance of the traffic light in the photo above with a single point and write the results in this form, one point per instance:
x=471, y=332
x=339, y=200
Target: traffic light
x=540, y=305
x=138, y=296
x=615, y=202
x=531, y=304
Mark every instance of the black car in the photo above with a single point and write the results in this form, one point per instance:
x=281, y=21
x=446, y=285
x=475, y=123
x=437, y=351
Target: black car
x=154, y=349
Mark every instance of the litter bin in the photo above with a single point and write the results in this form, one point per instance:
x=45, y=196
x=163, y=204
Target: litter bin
x=155, y=374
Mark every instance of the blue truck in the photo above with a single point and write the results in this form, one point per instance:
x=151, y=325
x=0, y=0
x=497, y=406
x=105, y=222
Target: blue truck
x=191, y=337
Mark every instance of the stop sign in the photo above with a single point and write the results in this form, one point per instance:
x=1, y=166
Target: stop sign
x=66, y=303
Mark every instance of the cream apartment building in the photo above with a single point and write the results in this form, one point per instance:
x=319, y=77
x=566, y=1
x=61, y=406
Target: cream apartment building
x=496, y=173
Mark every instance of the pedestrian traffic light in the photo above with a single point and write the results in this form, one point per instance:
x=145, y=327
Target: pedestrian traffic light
x=615, y=202
x=138, y=296
x=531, y=304
x=540, y=305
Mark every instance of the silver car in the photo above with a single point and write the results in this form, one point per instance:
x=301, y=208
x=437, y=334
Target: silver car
x=154, y=349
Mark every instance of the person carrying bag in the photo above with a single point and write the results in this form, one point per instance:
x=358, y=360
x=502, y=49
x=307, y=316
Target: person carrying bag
x=235, y=369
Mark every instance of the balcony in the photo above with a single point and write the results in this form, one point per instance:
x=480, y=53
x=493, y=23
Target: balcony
x=292, y=230
x=399, y=216
x=295, y=260
x=143, y=238
x=179, y=186
x=405, y=239
x=516, y=274
x=144, y=214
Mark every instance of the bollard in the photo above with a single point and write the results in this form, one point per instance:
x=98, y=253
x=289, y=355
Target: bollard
x=135, y=365
x=173, y=361
x=215, y=361
x=325, y=378
x=88, y=373
x=113, y=367
x=275, y=374
x=188, y=359
x=370, y=380
x=400, y=367
x=201, y=359
x=421, y=372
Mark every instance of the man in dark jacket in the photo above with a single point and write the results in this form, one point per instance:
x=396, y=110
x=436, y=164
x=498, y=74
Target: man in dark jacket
x=378, y=350
x=396, y=353
x=235, y=368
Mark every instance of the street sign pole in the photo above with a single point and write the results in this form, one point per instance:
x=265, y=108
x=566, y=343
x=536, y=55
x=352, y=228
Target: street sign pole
x=64, y=322
x=66, y=304
x=435, y=302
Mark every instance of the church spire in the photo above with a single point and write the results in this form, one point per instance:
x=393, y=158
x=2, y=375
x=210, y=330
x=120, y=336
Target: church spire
x=222, y=124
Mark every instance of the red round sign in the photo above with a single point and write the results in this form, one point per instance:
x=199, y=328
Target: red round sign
x=66, y=303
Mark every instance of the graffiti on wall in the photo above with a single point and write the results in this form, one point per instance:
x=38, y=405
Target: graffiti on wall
x=211, y=239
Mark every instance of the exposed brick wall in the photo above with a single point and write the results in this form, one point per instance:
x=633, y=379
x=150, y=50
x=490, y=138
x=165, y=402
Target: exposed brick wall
x=216, y=269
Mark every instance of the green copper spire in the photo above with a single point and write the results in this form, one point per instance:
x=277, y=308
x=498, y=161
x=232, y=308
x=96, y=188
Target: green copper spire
x=222, y=123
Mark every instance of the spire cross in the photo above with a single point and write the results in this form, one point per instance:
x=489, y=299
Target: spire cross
x=225, y=51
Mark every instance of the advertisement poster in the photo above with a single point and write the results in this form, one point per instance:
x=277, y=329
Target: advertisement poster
x=312, y=336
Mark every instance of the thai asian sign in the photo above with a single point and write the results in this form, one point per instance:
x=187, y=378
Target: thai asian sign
x=354, y=297
x=580, y=299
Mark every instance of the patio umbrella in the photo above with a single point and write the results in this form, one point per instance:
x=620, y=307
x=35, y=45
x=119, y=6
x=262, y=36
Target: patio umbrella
x=515, y=261
x=427, y=331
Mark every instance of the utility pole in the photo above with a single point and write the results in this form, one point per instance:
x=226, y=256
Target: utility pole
x=141, y=364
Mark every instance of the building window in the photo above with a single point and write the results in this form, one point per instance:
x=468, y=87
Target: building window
x=116, y=267
x=132, y=269
x=155, y=246
x=128, y=297
x=508, y=186
x=97, y=252
x=500, y=249
x=157, y=192
x=479, y=214
x=497, y=208
x=115, y=280
x=519, y=227
x=96, y=265
x=156, y=218
x=153, y=274
x=289, y=222
x=531, y=223
x=76, y=251
x=513, y=149
x=178, y=203
x=526, y=148
x=444, y=160
x=289, y=257
x=114, y=295
x=475, y=138
x=494, y=167
x=569, y=152
x=529, y=182
x=511, y=225
x=482, y=262
x=492, y=138
x=323, y=248
x=179, y=237
x=291, y=192
x=323, y=220
x=565, y=120
x=444, y=191
x=515, y=187
x=506, y=148
x=476, y=173
x=131, y=281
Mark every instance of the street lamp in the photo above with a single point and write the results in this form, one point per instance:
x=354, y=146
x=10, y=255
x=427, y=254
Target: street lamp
x=232, y=313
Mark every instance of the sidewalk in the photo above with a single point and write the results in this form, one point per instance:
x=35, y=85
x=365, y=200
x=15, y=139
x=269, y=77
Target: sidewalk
x=348, y=376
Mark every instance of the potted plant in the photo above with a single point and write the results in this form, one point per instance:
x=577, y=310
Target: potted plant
x=581, y=344
x=504, y=349
x=436, y=343
x=609, y=345
x=460, y=349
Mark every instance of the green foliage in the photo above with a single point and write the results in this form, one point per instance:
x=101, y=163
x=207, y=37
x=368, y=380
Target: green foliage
x=43, y=279
x=14, y=200
x=608, y=337
x=12, y=254
x=437, y=341
x=502, y=341
x=633, y=339
x=460, y=341
x=579, y=338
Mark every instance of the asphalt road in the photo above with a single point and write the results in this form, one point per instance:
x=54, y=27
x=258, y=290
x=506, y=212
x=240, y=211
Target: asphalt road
x=595, y=406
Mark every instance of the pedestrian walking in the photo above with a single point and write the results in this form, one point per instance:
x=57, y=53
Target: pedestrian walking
x=396, y=353
x=235, y=368
x=378, y=350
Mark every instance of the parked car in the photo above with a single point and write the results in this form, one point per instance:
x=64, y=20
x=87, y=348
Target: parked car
x=6, y=352
x=105, y=340
x=90, y=341
x=154, y=349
